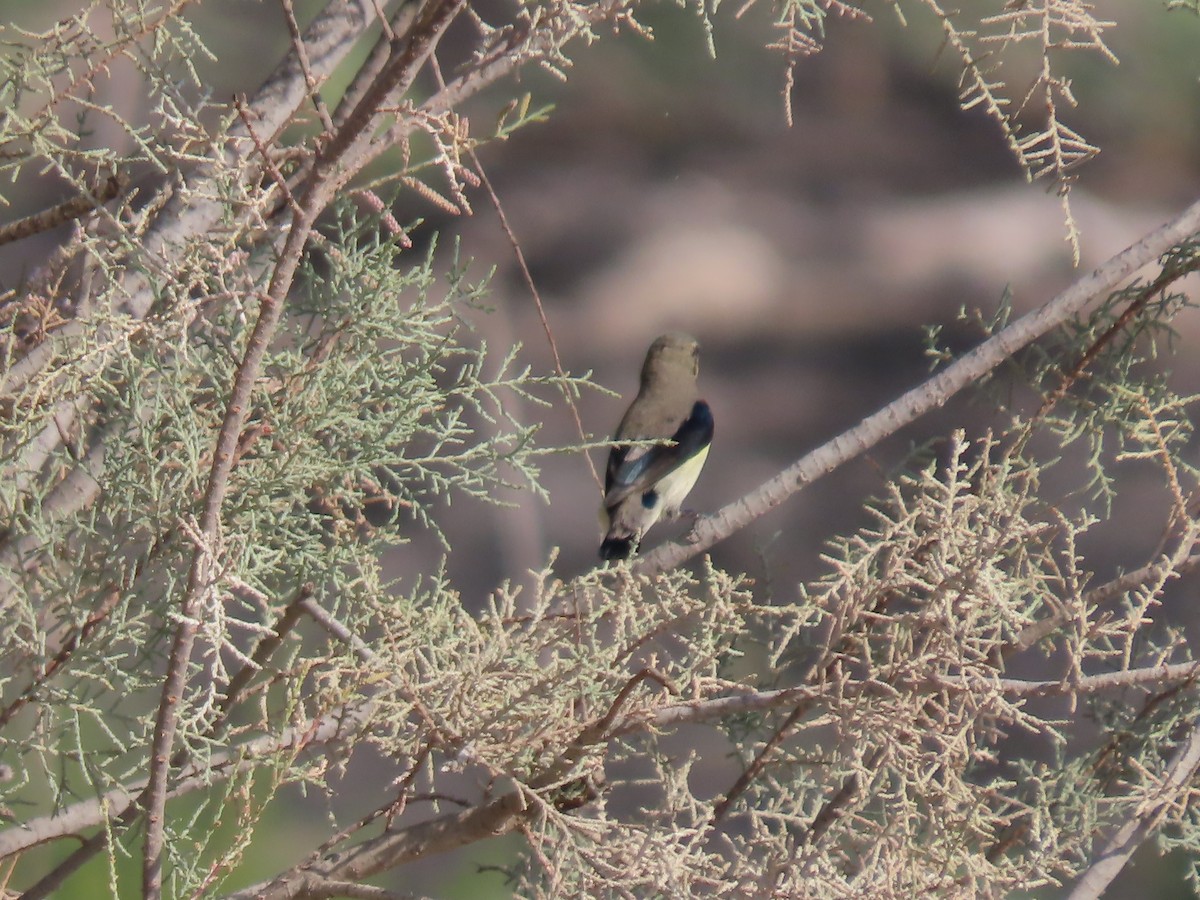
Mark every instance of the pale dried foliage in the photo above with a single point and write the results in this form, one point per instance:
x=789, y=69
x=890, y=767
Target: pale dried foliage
x=235, y=385
x=1013, y=56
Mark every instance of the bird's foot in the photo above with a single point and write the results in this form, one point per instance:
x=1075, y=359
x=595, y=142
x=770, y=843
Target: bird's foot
x=690, y=516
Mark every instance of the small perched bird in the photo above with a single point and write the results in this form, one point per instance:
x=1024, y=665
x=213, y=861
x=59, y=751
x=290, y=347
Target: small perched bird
x=645, y=483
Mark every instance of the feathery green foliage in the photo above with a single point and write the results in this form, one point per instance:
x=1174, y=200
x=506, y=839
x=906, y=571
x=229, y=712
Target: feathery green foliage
x=235, y=385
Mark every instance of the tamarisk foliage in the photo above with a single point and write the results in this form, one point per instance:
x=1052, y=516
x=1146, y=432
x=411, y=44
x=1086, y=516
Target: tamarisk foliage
x=235, y=382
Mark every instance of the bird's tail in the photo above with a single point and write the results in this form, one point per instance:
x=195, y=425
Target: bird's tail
x=616, y=548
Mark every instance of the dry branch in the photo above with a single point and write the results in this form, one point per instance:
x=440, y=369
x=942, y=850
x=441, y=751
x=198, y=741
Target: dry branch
x=928, y=396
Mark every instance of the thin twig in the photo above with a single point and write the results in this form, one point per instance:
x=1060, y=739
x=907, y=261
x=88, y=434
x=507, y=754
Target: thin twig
x=527, y=276
x=98, y=615
x=759, y=762
x=63, y=212
x=120, y=816
x=394, y=848
x=338, y=630
x=326, y=890
x=263, y=154
x=1087, y=684
x=1164, y=280
x=1145, y=819
x=354, y=145
x=1101, y=594
x=310, y=80
x=384, y=24
x=541, y=310
x=336, y=164
x=930, y=395
x=366, y=74
x=343, y=720
x=834, y=806
x=263, y=652
x=387, y=811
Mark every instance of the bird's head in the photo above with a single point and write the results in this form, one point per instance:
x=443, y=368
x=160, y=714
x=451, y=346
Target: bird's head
x=672, y=357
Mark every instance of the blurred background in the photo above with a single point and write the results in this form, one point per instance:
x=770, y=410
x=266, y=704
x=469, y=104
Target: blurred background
x=666, y=191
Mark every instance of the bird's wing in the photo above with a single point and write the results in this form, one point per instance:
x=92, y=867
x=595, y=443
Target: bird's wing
x=636, y=469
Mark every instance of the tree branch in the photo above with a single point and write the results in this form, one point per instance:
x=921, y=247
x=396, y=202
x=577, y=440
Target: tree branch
x=391, y=849
x=336, y=164
x=122, y=815
x=509, y=811
x=1143, y=822
x=198, y=210
x=922, y=399
x=1103, y=593
x=341, y=723
x=188, y=214
x=63, y=212
x=330, y=889
x=346, y=720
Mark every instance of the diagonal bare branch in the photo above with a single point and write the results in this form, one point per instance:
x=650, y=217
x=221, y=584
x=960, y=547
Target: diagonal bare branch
x=931, y=395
